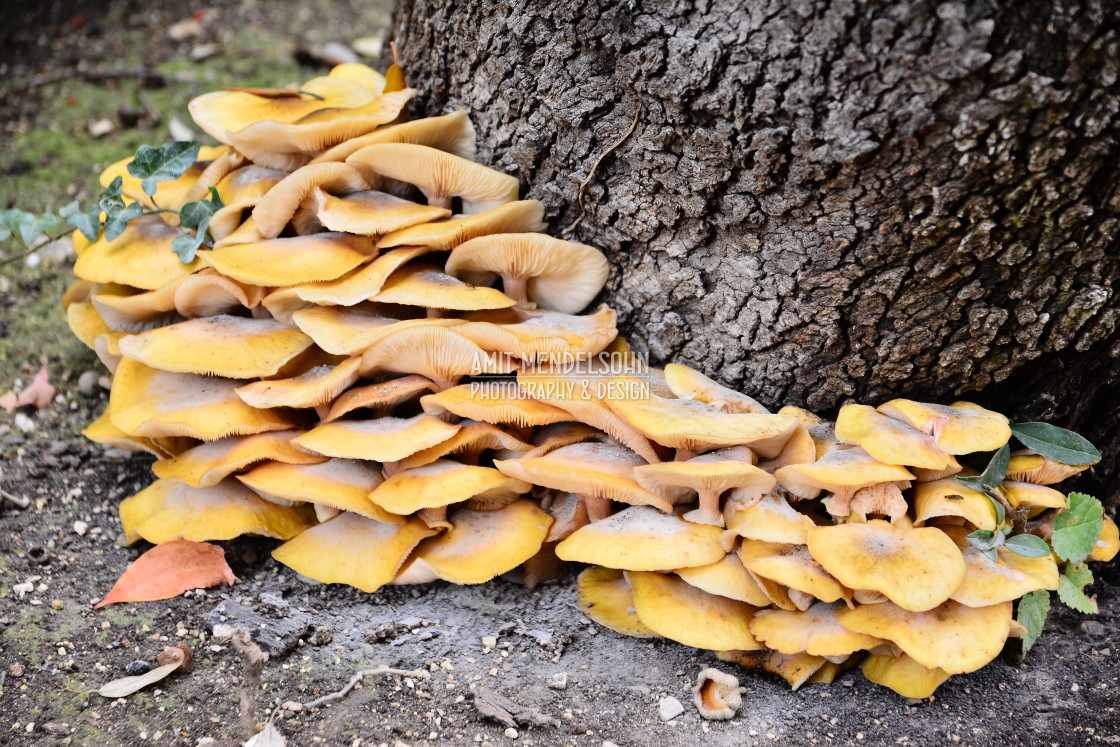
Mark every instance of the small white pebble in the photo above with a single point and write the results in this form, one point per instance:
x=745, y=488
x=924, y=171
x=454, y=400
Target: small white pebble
x=1074, y=688
x=80, y=527
x=510, y=732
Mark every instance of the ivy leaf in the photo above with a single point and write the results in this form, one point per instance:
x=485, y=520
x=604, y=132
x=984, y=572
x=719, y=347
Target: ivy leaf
x=991, y=478
x=88, y=222
x=1070, y=587
x=186, y=247
x=985, y=539
x=111, y=196
x=194, y=213
x=1033, y=609
x=42, y=225
x=116, y=219
x=168, y=161
x=1056, y=443
x=1076, y=529
x=1028, y=546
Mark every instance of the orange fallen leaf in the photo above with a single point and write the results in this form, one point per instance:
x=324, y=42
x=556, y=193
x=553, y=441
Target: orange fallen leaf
x=168, y=570
x=39, y=393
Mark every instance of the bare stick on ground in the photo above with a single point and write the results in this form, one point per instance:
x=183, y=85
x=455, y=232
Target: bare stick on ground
x=358, y=677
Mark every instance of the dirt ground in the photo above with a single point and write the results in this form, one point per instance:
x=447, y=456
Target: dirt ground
x=55, y=650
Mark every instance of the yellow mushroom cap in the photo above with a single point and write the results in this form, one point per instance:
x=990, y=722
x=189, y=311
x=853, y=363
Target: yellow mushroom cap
x=439, y=175
x=688, y=383
x=1108, y=544
x=988, y=581
x=915, y=568
x=290, y=261
x=726, y=578
x=580, y=394
x=442, y=483
x=452, y=132
x=960, y=428
x=814, y=631
x=378, y=440
x=351, y=549
x=951, y=637
x=605, y=597
x=1028, y=495
x=903, y=674
x=317, y=386
x=370, y=212
x=801, y=448
x=140, y=257
x=520, y=216
x=349, y=290
x=233, y=347
x=948, y=497
x=148, y=402
x=220, y=112
x=888, y=440
x=771, y=519
x=590, y=468
x=277, y=207
x=352, y=331
x=700, y=474
x=688, y=424
x=240, y=190
x=1040, y=470
x=555, y=274
x=379, y=397
x=843, y=471
x=204, y=293
x=209, y=463
x=287, y=145
x=167, y=510
x=792, y=566
x=363, y=75
x=549, y=438
x=472, y=439
x=532, y=334
x=341, y=484
x=433, y=352
x=641, y=538
x=496, y=402
x=683, y=613
x=102, y=431
x=482, y=545
x=86, y=323
x=422, y=284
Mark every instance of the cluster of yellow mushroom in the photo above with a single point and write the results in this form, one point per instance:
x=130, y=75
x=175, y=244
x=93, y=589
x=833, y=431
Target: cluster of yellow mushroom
x=341, y=371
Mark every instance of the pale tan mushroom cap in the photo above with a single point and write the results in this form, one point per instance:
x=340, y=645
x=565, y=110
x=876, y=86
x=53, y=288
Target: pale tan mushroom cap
x=839, y=471
x=557, y=275
x=520, y=216
x=641, y=538
x=960, y=428
x=684, y=613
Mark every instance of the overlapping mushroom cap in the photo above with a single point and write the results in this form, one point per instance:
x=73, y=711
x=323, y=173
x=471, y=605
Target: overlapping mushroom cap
x=334, y=370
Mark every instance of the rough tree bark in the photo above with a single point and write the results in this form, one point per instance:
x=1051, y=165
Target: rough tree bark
x=823, y=201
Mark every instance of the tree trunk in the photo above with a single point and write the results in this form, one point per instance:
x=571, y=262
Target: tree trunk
x=823, y=201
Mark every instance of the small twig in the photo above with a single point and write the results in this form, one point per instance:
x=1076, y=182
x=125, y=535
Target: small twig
x=142, y=74
x=595, y=166
x=21, y=502
x=358, y=677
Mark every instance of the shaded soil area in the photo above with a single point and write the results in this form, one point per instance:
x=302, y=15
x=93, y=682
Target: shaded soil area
x=55, y=650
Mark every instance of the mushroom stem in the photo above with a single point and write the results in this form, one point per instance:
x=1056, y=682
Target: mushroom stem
x=437, y=313
x=683, y=454
x=598, y=507
x=515, y=286
x=438, y=200
x=709, y=512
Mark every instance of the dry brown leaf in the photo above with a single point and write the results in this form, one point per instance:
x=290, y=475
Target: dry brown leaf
x=38, y=394
x=168, y=570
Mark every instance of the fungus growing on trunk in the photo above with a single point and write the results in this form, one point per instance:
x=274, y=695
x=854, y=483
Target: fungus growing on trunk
x=211, y=462
x=605, y=596
x=641, y=538
x=385, y=439
x=683, y=613
x=339, y=484
x=960, y=428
